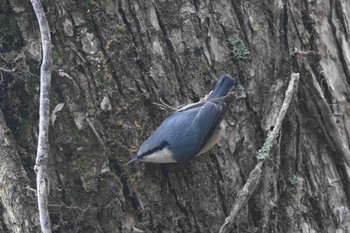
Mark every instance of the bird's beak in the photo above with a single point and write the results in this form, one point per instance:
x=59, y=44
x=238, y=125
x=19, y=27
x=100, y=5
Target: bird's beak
x=133, y=160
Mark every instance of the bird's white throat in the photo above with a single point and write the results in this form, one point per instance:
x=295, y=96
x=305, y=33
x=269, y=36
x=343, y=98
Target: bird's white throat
x=162, y=156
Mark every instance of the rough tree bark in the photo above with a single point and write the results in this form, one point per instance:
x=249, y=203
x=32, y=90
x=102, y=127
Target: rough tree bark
x=17, y=198
x=113, y=59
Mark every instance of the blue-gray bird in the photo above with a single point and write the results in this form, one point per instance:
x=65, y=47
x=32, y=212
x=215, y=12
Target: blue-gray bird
x=191, y=130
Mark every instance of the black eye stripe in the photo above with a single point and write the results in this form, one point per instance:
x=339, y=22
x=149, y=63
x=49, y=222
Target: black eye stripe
x=157, y=148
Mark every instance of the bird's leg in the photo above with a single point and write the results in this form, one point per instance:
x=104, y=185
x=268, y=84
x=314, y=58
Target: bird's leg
x=163, y=105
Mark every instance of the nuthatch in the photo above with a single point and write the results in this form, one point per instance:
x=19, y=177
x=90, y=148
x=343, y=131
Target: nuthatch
x=191, y=130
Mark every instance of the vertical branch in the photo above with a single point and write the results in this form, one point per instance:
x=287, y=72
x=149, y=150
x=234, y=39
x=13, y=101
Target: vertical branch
x=44, y=111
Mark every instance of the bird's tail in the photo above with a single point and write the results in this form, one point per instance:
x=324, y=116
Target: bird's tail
x=134, y=160
x=222, y=87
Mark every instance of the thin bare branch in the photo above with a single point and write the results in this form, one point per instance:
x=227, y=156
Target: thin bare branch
x=254, y=177
x=42, y=180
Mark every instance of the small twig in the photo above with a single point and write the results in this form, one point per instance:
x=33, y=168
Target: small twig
x=95, y=132
x=243, y=197
x=7, y=70
x=265, y=150
x=31, y=189
x=254, y=177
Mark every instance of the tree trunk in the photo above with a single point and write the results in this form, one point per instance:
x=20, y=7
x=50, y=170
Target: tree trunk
x=113, y=59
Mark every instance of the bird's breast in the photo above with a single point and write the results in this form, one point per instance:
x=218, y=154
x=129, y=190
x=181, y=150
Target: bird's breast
x=213, y=139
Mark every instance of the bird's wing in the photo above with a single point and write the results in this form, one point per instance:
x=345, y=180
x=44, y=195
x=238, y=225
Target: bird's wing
x=209, y=117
